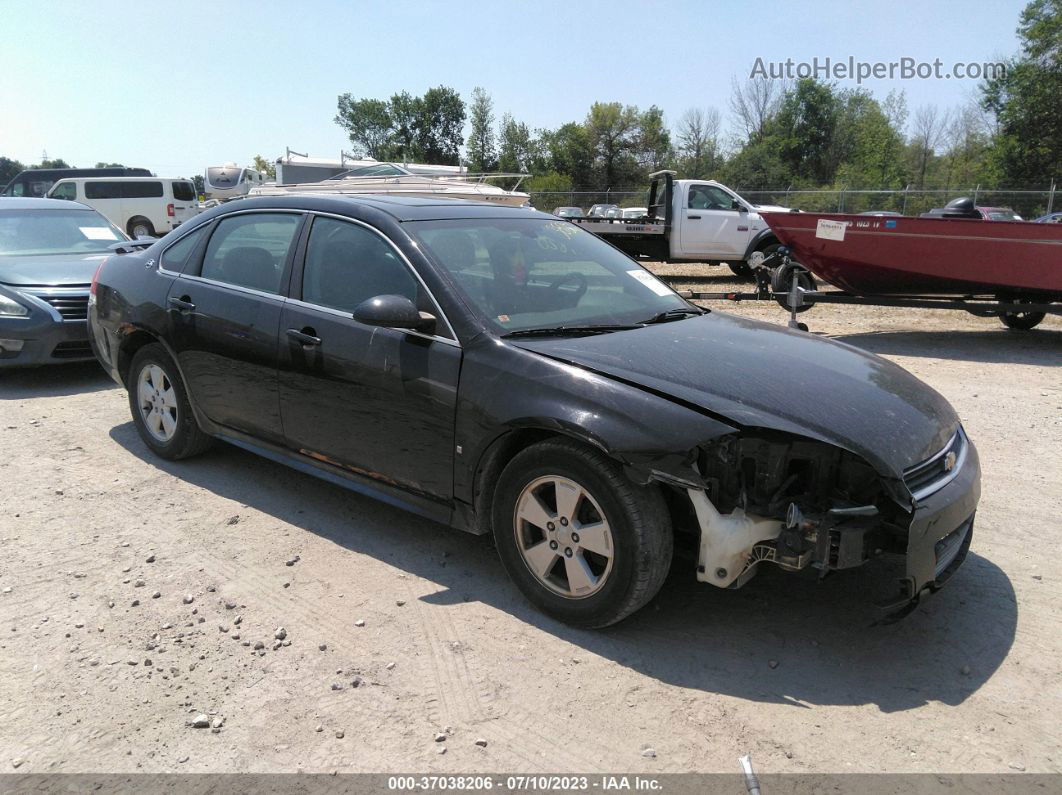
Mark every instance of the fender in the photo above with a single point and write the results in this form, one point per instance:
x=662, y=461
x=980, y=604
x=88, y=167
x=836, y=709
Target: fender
x=763, y=238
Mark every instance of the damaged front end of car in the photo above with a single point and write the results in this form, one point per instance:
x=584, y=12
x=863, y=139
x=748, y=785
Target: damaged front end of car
x=762, y=496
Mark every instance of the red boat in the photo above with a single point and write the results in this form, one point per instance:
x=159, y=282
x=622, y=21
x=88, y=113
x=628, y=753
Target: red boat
x=900, y=256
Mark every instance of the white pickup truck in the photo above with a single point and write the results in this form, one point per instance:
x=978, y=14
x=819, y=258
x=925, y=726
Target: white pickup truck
x=692, y=220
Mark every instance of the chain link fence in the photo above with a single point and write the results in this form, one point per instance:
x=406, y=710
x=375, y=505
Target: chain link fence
x=1028, y=203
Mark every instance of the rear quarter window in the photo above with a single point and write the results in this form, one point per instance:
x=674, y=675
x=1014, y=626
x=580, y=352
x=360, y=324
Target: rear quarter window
x=183, y=191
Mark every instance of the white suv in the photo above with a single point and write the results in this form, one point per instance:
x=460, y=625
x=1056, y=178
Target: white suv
x=142, y=206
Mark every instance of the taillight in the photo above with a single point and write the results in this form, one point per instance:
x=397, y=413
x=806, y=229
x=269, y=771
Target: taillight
x=96, y=278
x=169, y=210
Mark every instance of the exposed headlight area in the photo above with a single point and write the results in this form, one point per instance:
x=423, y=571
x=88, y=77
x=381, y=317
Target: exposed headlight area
x=9, y=307
x=791, y=501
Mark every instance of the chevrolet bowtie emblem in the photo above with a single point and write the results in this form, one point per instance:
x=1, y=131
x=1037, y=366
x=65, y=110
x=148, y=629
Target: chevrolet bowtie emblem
x=949, y=462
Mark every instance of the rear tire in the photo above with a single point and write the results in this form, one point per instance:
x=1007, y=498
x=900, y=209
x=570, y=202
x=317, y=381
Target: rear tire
x=741, y=269
x=1022, y=321
x=623, y=555
x=140, y=227
x=159, y=404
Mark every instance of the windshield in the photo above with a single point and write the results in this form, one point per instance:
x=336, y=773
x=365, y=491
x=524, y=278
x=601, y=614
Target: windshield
x=525, y=273
x=382, y=170
x=67, y=231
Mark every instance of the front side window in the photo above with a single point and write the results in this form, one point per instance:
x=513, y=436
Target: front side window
x=709, y=197
x=64, y=231
x=528, y=273
x=103, y=190
x=65, y=190
x=250, y=250
x=183, y=191
x=347, y=264
x=175, y=258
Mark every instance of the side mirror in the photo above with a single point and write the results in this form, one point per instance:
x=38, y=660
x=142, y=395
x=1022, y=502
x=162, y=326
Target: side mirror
x=736, y=205
x=394, y=311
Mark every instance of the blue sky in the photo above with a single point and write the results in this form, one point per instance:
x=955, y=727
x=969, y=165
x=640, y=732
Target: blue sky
x=177, y=86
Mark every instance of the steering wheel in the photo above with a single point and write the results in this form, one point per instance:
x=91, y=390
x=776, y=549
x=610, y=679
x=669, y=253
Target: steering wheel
x=574, y=277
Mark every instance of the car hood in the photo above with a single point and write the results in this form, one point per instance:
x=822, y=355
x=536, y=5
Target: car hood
x=52, y=270
x=771, y=208
x=757, y=375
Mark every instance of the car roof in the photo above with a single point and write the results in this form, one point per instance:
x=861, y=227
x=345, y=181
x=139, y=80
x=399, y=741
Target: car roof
x=122, y=179
x=25, y=203
x=401, y=208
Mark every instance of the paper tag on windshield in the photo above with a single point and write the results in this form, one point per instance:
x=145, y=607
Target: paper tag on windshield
x=98, y=232
x=830, y=230
x=650, y=281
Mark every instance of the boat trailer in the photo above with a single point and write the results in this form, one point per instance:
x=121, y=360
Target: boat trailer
x=798, y=298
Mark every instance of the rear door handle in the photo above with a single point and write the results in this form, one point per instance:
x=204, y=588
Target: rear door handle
x=182, y=304
x=302, y=337
x=694, y=217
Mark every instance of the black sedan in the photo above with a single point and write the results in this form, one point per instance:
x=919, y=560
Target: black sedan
x=49, y=250
x=500, y=370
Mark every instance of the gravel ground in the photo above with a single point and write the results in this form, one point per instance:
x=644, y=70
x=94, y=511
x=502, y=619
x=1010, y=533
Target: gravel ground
x=229, y=614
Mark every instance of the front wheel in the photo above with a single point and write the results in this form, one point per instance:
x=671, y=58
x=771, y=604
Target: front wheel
x=159, y=404
x=581, y=541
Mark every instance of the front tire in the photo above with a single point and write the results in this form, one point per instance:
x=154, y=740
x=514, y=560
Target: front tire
x=159, y=404
x=581, y=541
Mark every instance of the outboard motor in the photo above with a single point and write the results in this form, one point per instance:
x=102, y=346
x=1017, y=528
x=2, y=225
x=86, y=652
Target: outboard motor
x=960, y=208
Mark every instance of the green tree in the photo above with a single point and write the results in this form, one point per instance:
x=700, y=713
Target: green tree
x=267, y=168
x=613, y=131
x=482, y=152
x=368, y=124
x=56, y=163
x=653, y=140
x=571, y=152
x=9, y=169
x=514, y=145
x=439, y=125
x=1026, y=100
x=101, y=164
x=804, y=128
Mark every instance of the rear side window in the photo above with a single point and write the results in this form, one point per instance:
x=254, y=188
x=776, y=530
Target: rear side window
x=142, y=190
x=103, y=190
x=347, y=264
x=68, y=190
x=183, y=191
x=175, y=258
x=250, y=250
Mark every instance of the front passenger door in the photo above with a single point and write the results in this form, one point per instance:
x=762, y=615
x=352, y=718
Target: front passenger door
x=375, y=401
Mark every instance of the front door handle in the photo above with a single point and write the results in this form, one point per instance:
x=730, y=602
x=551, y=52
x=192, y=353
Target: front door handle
x=182, y=304
x=305, y=337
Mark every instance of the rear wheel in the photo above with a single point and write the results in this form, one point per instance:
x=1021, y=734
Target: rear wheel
x=741, y=269
x=140, y=227
x=782, y=283
x=160, y=408
x=581, y=541
x=1022, y=321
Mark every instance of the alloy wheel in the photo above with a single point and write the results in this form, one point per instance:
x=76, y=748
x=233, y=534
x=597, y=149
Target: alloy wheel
x=158, y=402
x=563, y=536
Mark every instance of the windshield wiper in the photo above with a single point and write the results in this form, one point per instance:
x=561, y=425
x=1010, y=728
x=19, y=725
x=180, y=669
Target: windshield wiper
x=676, y=314
x=559, y=331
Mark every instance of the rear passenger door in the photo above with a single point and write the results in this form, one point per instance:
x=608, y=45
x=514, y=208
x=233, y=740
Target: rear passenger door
x=376, y=401
x=225, y=313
